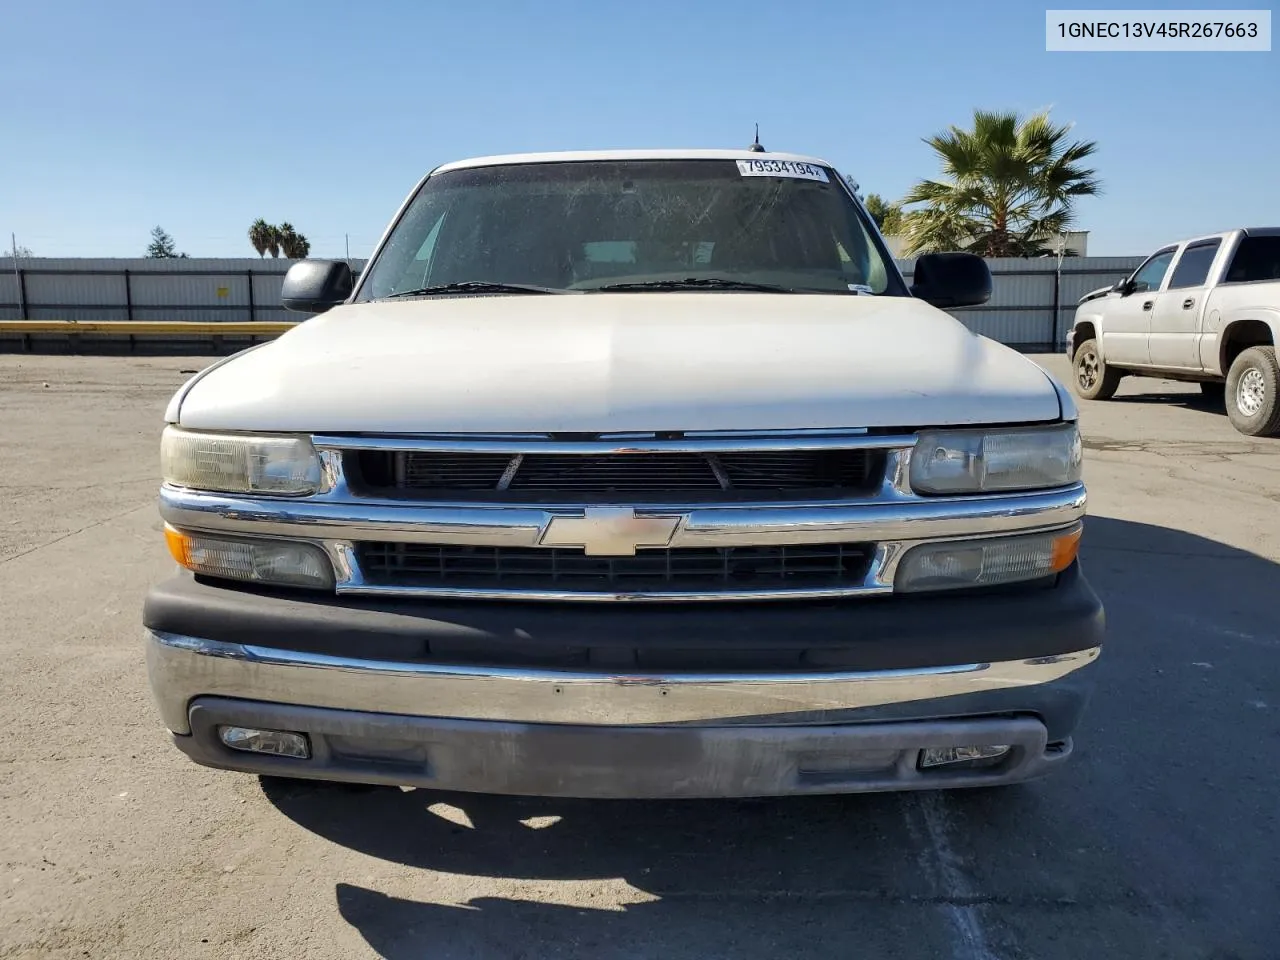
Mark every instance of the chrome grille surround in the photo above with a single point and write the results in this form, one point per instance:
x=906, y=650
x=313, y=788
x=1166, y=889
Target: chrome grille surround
x=888, y=519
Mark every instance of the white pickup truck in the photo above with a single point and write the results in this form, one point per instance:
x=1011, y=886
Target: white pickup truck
x=627, y=474
x=1205, y=310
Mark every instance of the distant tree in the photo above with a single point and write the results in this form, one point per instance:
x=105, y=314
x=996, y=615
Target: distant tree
x=888, y=216
x=161, y=246
x=260, y=236
x=294, y=245
x=19, y=251
x=265, y=237
x=1009, y=189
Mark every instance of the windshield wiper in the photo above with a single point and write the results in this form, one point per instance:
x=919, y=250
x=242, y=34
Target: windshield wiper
x=696, y=283
x=474, y=286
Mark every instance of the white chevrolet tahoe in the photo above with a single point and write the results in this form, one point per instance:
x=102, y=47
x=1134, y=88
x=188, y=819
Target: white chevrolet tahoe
x=1205, y=310
x=627, y=474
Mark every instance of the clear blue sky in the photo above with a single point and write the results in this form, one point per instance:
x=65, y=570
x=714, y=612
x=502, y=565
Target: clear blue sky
x=118, y=116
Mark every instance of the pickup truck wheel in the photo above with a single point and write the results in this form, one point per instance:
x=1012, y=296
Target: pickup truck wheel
x=1253, y=392
x=1093, y=379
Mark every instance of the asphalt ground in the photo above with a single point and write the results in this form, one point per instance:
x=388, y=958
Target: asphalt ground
x=1161, y=839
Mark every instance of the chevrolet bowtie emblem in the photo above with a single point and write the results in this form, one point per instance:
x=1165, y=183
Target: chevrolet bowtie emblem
x=609, y=531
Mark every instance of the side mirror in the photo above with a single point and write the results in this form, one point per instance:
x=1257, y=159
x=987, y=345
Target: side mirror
x=952, y=280
x=313, y=286
x=1124, y=286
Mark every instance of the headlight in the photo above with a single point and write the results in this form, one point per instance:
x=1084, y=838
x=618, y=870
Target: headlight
x=276, y=562
x=239, y=463
x=988, y=461
x=986, y=563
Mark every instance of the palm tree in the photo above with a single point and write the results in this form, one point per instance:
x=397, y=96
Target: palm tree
x=1011, y=183
x=294, y=244
x=260, y=236
x=268, y=238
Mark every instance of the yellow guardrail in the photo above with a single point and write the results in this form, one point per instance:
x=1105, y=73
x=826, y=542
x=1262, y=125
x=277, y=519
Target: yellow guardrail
x=149, y=327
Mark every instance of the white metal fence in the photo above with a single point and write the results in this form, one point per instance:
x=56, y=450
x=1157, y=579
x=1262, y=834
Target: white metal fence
x=1033, y=301
x=202, y=290
x=1031, y=306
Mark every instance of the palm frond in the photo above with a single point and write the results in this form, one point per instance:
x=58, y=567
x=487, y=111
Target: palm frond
x=1007, y=184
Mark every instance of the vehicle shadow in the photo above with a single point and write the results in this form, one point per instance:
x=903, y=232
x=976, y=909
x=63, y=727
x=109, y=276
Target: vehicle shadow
x=1156, y=840
x=1188, y=401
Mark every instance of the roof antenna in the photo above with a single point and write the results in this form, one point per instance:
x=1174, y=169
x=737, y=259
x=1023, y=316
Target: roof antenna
x=755, y=147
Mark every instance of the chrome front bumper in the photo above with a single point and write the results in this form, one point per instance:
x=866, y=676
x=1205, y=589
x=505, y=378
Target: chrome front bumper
x=546, y=732
x=183, y=668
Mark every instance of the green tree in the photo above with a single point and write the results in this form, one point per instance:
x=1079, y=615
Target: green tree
x=260, y=236
x=294, y=245
x=267, y=238
x=161, y=245
x=1010, y=186
x=888, y=216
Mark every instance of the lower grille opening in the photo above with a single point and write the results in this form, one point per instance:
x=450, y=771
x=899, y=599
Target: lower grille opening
x=807, y=566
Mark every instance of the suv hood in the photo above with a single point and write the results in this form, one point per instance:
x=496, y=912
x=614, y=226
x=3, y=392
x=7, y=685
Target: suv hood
x=614, y=362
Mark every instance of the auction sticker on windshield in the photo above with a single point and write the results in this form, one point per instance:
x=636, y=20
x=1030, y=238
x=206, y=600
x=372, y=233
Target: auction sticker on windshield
x=781, y=168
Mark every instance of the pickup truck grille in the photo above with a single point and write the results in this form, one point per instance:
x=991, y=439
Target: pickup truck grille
x=730, y=516
x=650, y=570
x=774, y=474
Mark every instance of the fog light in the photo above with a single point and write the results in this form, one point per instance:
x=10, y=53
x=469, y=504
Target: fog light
x=281, y=743
x=956, y=756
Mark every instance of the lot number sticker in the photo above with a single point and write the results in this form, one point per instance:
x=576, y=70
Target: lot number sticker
x=781, y=168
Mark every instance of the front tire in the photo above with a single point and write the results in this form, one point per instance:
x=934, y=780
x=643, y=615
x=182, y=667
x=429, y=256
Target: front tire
x=1093, y=379
x=1253, y=392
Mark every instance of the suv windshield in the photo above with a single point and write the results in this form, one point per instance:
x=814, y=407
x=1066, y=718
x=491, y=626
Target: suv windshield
x=633, y=225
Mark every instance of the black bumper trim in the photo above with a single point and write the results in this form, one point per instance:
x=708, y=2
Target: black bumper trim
x=866, y=634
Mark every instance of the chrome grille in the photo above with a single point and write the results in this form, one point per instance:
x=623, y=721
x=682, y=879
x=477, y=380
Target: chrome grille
x=681, y=569
x=790, y=474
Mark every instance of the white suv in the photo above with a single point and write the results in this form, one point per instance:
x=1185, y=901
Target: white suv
x=629, y=474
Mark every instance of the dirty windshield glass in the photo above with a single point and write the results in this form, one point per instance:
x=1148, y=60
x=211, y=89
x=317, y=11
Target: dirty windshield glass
x=636, y=224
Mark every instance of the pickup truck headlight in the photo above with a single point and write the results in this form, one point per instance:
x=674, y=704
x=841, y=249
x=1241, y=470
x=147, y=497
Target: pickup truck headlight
x=239, y=463
x=989, y=461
